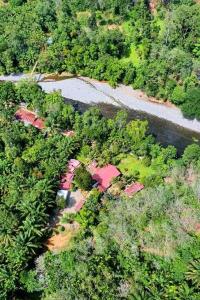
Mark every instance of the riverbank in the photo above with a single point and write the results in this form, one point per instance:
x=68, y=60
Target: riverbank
x=90, y=91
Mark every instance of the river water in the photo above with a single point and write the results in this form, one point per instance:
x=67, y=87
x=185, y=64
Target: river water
x=165, y=132
x=83, y=92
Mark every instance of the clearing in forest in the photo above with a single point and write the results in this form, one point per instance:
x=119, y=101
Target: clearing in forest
x=131, y=164
x=61, y=241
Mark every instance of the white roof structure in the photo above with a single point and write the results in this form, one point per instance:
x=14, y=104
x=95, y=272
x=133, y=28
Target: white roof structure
x=63, y=193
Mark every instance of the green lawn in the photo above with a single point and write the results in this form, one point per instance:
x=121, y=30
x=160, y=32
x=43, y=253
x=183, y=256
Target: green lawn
x=129, y=165
x=133, y=57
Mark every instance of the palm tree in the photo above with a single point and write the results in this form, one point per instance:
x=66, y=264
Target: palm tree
x=193, y=273
x=24, y=240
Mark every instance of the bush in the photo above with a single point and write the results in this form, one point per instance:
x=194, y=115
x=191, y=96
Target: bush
x=7, y=93
x=83, y=179
x=191, y=154
x=178, y=95
x=146, y=161
x=61, y=228
x=61, y=202
x=129, y=75
x=191, y=107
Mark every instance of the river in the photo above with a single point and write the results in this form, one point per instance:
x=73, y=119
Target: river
x=164, y=122
x=165, y=132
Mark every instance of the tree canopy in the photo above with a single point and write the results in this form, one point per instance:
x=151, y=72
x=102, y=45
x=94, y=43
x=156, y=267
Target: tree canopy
x=154, y=49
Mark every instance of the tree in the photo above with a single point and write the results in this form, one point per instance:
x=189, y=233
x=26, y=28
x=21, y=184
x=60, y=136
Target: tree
x=31, y=93
x=83, y=179
x=178, y=95
x=59, y=115
x=191, y=154
x=193, y=274
x=191, y=106
x=88, y=215
x=7, y=94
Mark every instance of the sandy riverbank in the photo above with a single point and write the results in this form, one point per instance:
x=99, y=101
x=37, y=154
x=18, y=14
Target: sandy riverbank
x=92, y=91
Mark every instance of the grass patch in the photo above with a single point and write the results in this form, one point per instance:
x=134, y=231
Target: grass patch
x=83, y=17
x=83, y=14
x=130, y=164
x=2, y=3
x=133, y=57
x=83, y=159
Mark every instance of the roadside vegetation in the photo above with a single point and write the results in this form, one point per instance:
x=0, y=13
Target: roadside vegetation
x=141, y=247
x=153, y=48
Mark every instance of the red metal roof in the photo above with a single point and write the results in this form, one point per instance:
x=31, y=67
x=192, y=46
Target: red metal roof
x=29, y=117
x=79, y=205
x=72, y=165
x=39, y=123
x=66, y=181
x=25, y=115
x=104, y=176
x=133, y=188
x=67, y=178
x=68, y=133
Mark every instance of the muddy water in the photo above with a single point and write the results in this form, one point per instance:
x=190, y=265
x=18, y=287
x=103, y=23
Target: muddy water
x=165, y=132
x=87, y=92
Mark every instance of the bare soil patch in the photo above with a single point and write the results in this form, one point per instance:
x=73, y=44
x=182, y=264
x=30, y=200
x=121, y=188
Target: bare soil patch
x=61, y=241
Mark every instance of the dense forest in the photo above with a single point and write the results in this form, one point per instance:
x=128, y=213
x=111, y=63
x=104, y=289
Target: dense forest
x=154, y=46
x=141, y=247
x=145, y=247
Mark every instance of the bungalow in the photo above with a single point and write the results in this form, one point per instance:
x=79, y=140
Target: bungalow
x=133, y=188
x=67, y=178
x=68, y=133
x=103, y=176
x=29, y=118
x=73, y=165
x=76, y=200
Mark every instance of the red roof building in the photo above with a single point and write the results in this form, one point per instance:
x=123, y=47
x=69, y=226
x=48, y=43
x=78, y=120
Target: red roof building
x=68, y=133
x=104, y=175
x=79, y=205
x=67, y=178
x=66, y=181
x=39, y=123
x=25, y=116
x=73, y=164
x=29, y=117
x=133, y=188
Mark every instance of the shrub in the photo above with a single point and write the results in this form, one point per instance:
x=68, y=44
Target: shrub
x=178, y=95
x=191, y=154
x=83, y=179
x=191, y=107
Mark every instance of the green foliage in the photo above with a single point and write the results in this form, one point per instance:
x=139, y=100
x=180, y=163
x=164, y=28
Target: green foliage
x=7, y=94
x=58, y=114
x=30, y=167
x=31, y=162
x=191, y=154
x=140, y=244
x=30, y=92
x=30, y=282
x=130, y=165
x=61, y=203
x=141, y=248
x=83, y=179
x=88, y=215
x=191, y=107
x=193, y=273
x=117, y=41
x=178, y=95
